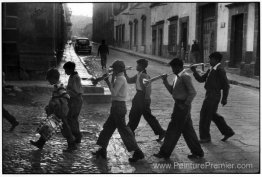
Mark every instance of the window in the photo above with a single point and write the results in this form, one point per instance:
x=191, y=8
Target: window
x=143, y=29
x=130, y=34
x=135, y=31
x=172, y=34
x=123, y=33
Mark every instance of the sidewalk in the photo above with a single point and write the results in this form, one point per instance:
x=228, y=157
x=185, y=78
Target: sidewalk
x=234, y=79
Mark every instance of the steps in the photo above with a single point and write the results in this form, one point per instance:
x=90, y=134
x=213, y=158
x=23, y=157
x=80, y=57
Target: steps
x=96, y=96
x=92, y=94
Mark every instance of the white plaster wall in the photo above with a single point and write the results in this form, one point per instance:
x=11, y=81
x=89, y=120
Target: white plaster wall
x=222, y=32
x=124, y=19
x=175, y=9
x=250, y=26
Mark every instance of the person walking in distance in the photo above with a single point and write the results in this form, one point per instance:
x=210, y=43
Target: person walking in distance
x=141, y=102
x=116, y=119
x=183, y=93
x=103, y=51
x=215, y=80
x=194, y=54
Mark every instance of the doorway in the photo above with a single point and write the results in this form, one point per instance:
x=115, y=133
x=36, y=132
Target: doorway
x=160, y=41
x=236, y=40
x=130, y=35
x=184, y=40
x=154, y=42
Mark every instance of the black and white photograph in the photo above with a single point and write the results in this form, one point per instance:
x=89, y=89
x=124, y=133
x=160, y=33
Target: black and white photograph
x=130, y=87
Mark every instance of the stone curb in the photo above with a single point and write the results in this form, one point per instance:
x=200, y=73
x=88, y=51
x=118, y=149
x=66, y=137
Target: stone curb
x=233, y=82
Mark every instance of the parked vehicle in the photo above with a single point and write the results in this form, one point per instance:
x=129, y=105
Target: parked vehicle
x=83, y=45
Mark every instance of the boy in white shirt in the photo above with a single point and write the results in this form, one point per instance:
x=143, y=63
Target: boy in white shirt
x=116, y=119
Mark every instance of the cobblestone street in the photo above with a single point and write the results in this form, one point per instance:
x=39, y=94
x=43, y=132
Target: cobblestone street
x=241, y=152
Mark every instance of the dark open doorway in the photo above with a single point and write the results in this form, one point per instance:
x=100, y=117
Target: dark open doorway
x=236, y=40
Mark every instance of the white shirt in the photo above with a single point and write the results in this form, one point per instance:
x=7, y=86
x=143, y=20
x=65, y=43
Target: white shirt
x=138, y=86
x=214, y=68
x=175, y=77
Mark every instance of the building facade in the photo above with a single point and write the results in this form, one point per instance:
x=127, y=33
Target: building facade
x=173, y=29
x=132, y=27
x=36, y=32
x=168, y=30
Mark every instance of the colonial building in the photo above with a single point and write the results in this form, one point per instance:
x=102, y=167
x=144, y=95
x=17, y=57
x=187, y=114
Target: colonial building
x=232, y=29
x=33, y=38
x=243, y=33
x=132, y=27
x=173, y=29
x=168, y=30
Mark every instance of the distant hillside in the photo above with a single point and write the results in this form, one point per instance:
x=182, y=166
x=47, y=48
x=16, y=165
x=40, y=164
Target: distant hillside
x=79, y=24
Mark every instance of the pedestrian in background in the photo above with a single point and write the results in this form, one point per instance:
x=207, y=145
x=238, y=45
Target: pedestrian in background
x=103, y=51
x=10, y=118
x=75, y=90
x=215, y=80
x=141, y=102
x=195, y=52
x=183, y=93
x=58, y=105
x=116, y=119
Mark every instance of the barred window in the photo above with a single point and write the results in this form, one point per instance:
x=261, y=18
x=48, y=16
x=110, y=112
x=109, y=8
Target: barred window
x=172, y=34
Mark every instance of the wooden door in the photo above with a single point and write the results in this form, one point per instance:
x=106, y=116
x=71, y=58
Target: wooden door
x=130, y=35
x=208, y=30
x=160, y=41
x=154, y=42
x=208, y=38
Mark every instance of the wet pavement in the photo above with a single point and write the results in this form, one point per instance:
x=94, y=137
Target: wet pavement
x=241, y=152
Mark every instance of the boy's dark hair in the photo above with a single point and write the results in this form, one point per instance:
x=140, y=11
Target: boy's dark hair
x=103, y=41
x=176, y=62
x=142, y=62
x=52, y=73
x=118, y=65
x=216, y=55
x=69, y=65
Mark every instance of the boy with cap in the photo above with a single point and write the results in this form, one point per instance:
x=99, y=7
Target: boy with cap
x=116, y=119
x=58, y=105
x=183, y=93
x=215, y=80
x=75, y=90
x=141, y=101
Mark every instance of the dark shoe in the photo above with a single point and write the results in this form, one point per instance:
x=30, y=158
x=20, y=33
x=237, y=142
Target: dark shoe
x=162, y=136
x=38, y=144
x=100, y=153
x=161, y=155
x=227, y=136
x=138, y=154
x=13, y=126
x=205, y=141
x=70, y=148
x=195, y=156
